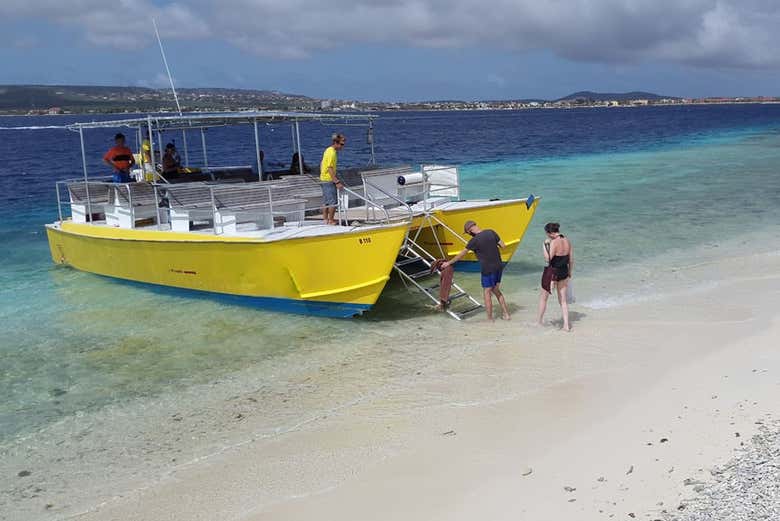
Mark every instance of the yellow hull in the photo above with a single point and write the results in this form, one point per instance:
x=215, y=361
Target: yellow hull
x=510, y=219
x=339, y=274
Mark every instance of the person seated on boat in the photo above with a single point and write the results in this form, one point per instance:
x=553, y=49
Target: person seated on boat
x=485, y=244
x=260, y=168
x=121, y=159
x=329, y=181
x=295, y=165
x=171, y=163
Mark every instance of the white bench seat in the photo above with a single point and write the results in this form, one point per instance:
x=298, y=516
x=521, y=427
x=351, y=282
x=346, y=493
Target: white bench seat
x=86, y=197
x=228, y=205
x=132, y=202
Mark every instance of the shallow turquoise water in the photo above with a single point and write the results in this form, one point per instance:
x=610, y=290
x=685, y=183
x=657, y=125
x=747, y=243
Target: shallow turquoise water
x=74, y=342
x=625, y=206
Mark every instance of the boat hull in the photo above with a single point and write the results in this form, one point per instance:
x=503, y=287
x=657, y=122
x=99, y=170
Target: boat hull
x=510, y=219
x=337, y=275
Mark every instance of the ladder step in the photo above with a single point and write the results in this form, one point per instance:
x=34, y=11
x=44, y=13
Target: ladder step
x=410, y=260
x=468, y=311
x=420, y=274
x=409, y=263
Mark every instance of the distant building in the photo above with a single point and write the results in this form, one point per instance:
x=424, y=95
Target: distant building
x=54, y=111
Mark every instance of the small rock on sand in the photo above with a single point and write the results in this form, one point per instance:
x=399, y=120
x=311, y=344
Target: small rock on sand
x=569, y=489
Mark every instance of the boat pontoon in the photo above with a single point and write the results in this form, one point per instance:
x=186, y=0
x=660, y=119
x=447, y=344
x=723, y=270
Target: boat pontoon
x=222, y=230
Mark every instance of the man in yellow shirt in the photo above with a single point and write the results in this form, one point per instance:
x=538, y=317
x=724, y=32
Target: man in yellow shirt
x=329, y=181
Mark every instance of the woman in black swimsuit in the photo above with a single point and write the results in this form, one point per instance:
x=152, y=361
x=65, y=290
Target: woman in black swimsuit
x=559, y=255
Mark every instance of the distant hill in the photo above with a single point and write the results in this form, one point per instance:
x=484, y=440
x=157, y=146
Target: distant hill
x=84, y=98
x=617, y=96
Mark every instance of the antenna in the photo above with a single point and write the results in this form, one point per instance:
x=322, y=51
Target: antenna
x=167, y=69
x=173, y=88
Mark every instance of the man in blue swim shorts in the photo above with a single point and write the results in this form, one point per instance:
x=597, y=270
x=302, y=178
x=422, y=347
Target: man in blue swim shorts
x=485, y=244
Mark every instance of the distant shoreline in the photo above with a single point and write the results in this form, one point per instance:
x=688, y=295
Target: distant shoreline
x=413, y=107
x=92, y=99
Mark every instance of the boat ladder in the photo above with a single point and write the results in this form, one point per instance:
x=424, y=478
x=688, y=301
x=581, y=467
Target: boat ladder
x=415, y=266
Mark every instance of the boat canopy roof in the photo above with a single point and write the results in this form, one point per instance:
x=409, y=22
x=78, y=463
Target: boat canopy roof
x=159, y=122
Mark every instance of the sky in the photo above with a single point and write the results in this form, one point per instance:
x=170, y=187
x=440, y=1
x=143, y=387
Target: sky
x=401, y=50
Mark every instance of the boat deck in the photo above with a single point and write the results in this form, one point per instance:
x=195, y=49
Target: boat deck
x=357, y=215
x=353, y=219
x=292, y=230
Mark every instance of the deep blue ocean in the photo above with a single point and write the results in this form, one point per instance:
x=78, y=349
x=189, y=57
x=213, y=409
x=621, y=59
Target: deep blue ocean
x=626, y=184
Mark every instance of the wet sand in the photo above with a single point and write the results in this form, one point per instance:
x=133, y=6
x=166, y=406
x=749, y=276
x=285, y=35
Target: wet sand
x=615, y=420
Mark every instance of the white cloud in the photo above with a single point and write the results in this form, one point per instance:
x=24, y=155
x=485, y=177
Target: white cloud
x=123, y=24
x=26, y=42
x=159, y=81
x=732, y=33
x=496, y=80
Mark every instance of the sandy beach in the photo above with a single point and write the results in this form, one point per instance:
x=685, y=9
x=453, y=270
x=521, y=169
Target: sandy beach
x=624, y=418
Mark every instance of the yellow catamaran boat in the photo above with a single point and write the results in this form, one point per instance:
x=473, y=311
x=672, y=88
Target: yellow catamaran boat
x=221, y=230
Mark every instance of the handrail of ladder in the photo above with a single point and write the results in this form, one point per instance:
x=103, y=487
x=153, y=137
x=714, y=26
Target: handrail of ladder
x=419, y=249
x=453, y=232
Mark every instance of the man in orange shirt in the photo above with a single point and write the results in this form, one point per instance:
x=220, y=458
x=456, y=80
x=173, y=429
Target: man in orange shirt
x=120, y=158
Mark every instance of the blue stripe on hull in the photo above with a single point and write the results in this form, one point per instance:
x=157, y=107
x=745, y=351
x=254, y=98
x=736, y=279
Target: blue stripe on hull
x=284, y=305
x=469, y=266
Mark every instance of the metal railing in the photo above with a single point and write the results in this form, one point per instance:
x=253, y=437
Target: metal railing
x=431, y=187
x=266, y=203
x=401, y=203
x=88, y=202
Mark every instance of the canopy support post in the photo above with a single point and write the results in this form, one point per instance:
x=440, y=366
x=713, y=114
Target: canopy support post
x=371, y=141
x=151, y=141
x=298, y=147
x=257, y=152
x=203, y=144
x=86, y=184
x=186, y=148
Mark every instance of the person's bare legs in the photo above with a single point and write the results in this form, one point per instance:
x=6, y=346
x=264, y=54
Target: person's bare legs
x=502, y=302
x=560, y=288
x=487, y=292
x=543, y=296
x=328, y=214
